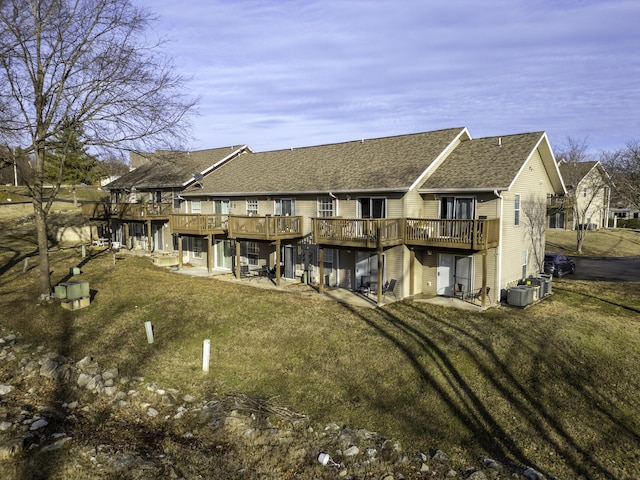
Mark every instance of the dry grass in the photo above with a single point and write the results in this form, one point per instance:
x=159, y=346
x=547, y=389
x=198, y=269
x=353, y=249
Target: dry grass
x=602, y=243
x=555, y=386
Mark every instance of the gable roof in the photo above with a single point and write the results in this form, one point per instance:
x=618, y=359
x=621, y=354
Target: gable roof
x=380, y=164
x=491, y=164
x=174, y=169
x=574, y=172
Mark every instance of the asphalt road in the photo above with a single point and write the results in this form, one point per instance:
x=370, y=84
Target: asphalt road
x=607, y=269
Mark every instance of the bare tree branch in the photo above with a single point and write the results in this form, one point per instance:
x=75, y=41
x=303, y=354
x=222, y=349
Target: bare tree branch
x=84, y=63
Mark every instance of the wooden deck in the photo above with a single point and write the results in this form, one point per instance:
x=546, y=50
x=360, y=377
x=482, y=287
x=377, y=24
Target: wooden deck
x=379, y=233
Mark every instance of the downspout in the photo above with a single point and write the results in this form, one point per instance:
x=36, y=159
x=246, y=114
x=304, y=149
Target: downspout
x=336, y=257
x=499, y=254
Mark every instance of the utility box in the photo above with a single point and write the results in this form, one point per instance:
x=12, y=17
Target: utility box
x=71, y=290
x=548, y=281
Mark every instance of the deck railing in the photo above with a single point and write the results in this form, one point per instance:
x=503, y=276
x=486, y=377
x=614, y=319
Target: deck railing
x=198, y=224
x=265, y=228
x=130, y=211
x=373, y=233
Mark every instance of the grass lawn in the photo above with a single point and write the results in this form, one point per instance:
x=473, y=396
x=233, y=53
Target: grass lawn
x=606, y=242
x=555, y=386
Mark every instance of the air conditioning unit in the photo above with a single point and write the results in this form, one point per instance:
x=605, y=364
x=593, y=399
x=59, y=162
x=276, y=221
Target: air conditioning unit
x=520, y=296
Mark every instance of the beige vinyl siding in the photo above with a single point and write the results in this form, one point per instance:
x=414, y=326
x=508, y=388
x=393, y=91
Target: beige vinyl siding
x=532, y=183
x=413, y=205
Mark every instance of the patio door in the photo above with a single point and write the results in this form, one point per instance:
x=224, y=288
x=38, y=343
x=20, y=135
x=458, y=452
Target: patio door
x=453, y=269
x=221, y=207
x=367, y=269
x=223, y=254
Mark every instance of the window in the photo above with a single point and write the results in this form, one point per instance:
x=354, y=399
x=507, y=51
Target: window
x=372, y=207
x=584, y=193
x=525, y=262
x=253, y=253
x=197, y=247
x=195, y=206
x=325, y=207
x=516, y=212
x=285, y=206
x=177, y=201
x=252, y=206
x=460, y=208
x=157, y=196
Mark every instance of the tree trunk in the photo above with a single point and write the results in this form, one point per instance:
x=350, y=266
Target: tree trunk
x=43, y=245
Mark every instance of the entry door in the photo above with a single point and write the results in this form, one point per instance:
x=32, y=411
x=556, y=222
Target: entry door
x=453, y=269
x=289, y=256
x=446, y=269
x=158, y=237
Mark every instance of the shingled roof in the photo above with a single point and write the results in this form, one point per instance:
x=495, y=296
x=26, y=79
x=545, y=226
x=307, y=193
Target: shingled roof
x=381, y=164
x=489, y=163
x=574, y=172
x=173, y=169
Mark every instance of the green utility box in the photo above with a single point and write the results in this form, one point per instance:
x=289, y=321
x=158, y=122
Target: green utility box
x=71, y=290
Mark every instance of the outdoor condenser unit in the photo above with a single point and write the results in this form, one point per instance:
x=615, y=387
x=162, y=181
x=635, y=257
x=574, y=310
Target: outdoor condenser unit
x=520, y=296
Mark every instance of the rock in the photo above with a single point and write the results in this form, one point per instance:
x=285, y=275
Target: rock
x=49, y=369
x=152, y=412
x=38, y=424
x=351, y=451
x=477, y=475
x=83, y=380
x=6, y=389
x=5, y=426
x=110, y=374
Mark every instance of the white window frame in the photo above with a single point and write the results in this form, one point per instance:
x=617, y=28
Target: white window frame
x=197, y=247
x=253, y=252
x=525, y=262
x=177, y=201
x=326, y=207
x=252, y=206
x=196, y=205
x=516, y=210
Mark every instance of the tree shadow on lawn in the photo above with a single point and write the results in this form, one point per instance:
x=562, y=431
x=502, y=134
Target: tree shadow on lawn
x=474, y=410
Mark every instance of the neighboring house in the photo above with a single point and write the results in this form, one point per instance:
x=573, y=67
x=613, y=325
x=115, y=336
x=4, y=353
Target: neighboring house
x=586, y=204
x=433, y=211
x=143, y=199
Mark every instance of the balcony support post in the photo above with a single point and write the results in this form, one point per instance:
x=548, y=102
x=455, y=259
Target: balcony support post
x=380, y=272
x=149, y=236
x=179, y=251
x=278, y=259
x=412, y=270
x=321, y=265
x=484, y=278
x=209, y=253
x=237, y=258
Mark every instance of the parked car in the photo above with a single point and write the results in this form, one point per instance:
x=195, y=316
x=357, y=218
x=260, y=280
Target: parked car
x=557, y=264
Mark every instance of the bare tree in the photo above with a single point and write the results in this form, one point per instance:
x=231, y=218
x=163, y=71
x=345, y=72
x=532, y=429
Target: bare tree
x=588, y=189
x=624, y=167
x=534, y=210
x=85, y=64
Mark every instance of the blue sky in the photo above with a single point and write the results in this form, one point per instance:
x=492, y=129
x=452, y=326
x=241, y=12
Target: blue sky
x=288, y=73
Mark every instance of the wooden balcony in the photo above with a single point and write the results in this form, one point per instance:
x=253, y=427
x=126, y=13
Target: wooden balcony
x=385, y=232
x=126, y=211
x=358, y=232
x=445, y=233
x=265, y=228
x=199, y=224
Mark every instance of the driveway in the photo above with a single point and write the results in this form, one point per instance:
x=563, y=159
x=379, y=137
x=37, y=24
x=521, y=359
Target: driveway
x=614, y=269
